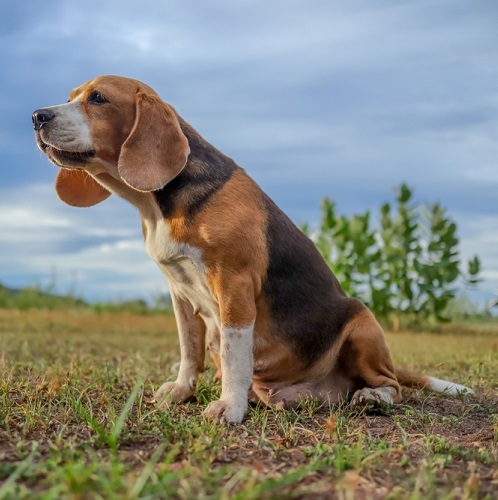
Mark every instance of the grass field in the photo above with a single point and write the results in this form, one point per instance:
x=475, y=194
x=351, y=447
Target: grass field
x=76, y=422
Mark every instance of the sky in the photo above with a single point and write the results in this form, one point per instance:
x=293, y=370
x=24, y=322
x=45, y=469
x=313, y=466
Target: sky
x=314, y=99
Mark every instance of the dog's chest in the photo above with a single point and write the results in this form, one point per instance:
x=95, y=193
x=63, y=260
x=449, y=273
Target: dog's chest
x=183, y=266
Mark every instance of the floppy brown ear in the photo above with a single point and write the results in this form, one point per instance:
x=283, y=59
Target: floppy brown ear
x=156, y=149
x=79, y=189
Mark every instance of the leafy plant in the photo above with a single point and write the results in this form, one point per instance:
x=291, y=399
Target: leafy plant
x=408, y=266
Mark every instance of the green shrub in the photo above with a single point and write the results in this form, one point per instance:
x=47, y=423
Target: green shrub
x=405, y=268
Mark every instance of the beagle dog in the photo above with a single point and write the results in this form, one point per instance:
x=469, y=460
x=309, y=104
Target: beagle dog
x=246, y=283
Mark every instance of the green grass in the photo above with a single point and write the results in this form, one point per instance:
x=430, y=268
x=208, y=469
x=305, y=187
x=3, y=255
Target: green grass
x=76, y=422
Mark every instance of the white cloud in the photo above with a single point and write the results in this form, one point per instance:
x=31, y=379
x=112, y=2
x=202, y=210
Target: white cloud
x=101, y=247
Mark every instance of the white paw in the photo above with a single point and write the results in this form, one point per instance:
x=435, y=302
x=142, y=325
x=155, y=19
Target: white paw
x=172, y=392
x=365, y=397
x=226, y=411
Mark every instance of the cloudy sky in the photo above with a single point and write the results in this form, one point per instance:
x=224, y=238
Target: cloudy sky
x=312, y=98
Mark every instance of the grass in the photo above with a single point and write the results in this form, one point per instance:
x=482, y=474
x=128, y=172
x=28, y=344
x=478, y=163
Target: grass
x=76, y=422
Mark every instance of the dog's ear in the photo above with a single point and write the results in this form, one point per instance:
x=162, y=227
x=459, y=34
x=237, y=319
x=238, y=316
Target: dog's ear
x=79, y=189
x=156, y=150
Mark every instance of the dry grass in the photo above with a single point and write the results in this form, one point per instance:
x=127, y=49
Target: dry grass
x=75, y=422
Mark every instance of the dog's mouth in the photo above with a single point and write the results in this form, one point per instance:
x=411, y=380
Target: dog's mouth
x=60, y=156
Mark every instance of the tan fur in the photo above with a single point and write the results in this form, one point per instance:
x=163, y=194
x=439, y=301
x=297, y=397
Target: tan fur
x=360, y=356
x=149, y=160
x=411, y=379
x=235, y=237
x=111, y=127
x=372, y=358
x=275, y=361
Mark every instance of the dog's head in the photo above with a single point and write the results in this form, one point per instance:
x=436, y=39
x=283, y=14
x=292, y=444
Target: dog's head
x=111, y=125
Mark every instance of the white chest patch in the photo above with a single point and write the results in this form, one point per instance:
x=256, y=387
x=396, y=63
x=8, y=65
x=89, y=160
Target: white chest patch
x=184, y=269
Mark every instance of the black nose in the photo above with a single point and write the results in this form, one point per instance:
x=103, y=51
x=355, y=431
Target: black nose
x=41, y=117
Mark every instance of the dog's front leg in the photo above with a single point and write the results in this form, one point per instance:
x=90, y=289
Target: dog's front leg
x=191, y=332
x=238, y=315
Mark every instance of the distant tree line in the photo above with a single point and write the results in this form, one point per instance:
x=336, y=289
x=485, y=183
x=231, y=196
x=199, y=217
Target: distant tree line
x=44, y=297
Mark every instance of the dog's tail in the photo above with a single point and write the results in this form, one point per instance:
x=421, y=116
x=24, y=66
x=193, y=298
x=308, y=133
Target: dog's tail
x=416, y=381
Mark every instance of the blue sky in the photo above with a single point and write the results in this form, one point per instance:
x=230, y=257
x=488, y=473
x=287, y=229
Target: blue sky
x=313, y=99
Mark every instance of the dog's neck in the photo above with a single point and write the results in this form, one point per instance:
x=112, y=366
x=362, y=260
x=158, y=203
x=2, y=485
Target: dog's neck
x=205, y=172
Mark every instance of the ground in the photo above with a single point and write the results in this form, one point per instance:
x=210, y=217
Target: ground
x=76, y=421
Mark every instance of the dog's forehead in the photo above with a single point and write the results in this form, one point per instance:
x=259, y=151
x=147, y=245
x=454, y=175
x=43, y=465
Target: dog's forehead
x=116, y=85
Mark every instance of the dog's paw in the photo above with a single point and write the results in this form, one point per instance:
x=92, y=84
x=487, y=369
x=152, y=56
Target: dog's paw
x=172, y=392
x=364, y=397
x=226, y=411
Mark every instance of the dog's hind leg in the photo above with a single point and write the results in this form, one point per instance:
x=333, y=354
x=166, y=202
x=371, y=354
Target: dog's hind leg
x=371, y=363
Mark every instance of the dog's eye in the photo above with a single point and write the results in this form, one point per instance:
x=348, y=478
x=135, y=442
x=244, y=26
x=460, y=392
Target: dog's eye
x=96, y=98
